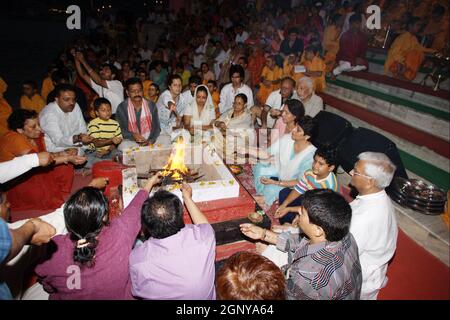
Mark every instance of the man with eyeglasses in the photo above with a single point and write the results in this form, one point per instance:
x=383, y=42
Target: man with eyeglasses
x=373, y=222
x=268, y=114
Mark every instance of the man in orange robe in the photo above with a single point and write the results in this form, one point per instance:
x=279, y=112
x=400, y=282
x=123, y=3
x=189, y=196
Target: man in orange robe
x=330, y=41
x=406, y=54
x=270, y=79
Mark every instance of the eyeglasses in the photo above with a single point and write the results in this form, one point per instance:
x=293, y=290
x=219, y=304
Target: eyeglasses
x=362, y=175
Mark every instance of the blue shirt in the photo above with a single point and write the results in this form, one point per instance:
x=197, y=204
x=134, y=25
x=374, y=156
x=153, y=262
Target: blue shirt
x=5, y=247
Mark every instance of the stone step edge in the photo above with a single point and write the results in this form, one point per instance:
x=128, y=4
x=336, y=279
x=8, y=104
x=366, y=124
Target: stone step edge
x=358, y=78
x=399, y=129
x=392, y=99
x=436, y=129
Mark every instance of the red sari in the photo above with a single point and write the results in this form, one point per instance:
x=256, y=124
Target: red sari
x=40, y=188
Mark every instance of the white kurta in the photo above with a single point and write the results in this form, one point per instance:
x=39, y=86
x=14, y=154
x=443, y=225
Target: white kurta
x=59, y=127
x=374, y=228
x=114, y=92
x=313, y=106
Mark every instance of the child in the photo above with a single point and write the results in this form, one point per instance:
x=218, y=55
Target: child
x=320, y=176
x=30, y=99
x=323, y=265
x=106, y=132
x=212, y=87
x=315, y=67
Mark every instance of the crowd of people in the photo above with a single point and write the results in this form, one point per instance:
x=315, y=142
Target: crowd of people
x=219, y=73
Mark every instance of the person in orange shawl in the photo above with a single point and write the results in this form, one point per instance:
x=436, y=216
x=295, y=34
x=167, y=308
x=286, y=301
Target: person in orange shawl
x=270, y=79
x=330, y=41
x=256, y=63
x=142, y=74
x=5, y=108
x=40, y=188
x=47, y=83
x=31, y=99
x=315, y=67
x=406, y=54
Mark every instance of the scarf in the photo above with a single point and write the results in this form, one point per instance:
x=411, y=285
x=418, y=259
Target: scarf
x=145, y=120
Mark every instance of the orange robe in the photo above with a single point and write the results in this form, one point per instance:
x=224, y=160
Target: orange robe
x=216, y=99
x=255, y=65
x=47, y=87
x=316, y=64
x=271, y=75
x=36, y=103
x=330, y=44
x=405, y=50
x=40, y=188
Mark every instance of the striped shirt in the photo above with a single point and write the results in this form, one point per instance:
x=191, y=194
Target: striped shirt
x=101, y=129
x=309, y=182
x=321, y=271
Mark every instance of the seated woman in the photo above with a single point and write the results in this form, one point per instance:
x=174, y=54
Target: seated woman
x=40, y=188
x=200, y=114
x=153, y=92
x=287, y=158
x=291, y=110
x=94, y=244
x=236, y=123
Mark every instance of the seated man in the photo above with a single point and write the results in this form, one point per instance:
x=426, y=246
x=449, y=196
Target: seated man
x=373, y=224
x=103, y=83
x=5, y=108
x=62, y=122
x=188, y=95
x=406, y=54
x=177, y=260
x=274, y=103
x=31, y=99
x=137, y=132
x=352, y=48
x=305, y=90
x=321, y=176
x=324, y=265
x=315, y=67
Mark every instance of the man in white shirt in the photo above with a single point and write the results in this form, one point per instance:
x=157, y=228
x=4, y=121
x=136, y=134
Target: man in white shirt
x=313, y=103
x=241, y=34
x=268, y=115
x=236, y=86
x=63, y=123
x=373, y=222
x=103, y=83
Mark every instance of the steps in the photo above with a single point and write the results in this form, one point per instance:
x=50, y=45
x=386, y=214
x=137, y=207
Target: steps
x=418, y=125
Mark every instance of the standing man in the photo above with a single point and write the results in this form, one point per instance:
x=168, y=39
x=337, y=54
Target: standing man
x=63, y=123
x=373, y=223
x=103, y=83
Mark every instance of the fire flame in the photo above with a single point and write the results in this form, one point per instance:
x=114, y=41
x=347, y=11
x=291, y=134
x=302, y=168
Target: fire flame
x=175, y=165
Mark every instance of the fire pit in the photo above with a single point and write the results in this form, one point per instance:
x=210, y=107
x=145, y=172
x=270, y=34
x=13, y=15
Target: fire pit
x=197, y=165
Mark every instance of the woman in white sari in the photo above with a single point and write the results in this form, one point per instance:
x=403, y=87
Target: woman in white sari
x=287, y=158
x=236, y=123
x=200, y=114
